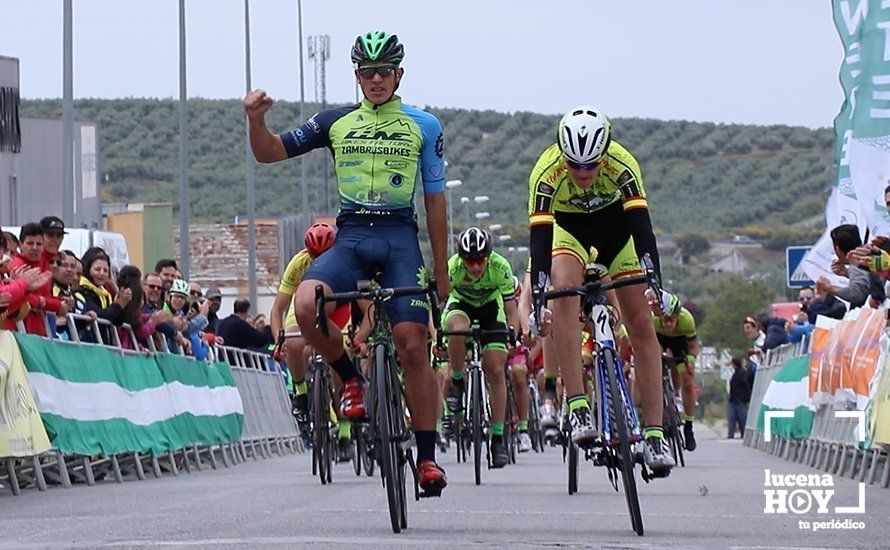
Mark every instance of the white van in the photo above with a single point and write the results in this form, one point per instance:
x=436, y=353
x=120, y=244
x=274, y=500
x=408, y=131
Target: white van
x=79, y=240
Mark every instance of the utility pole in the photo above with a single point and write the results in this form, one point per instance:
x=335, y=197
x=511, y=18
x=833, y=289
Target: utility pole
x=251, y=200
x=184, y=206
x=68, y=116
x=319, y=47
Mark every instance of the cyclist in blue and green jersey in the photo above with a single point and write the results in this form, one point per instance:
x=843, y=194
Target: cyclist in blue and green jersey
x=382, y=151
x=482, y=292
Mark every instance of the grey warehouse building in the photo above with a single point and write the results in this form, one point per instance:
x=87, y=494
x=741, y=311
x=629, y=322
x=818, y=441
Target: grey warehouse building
x=31, y=162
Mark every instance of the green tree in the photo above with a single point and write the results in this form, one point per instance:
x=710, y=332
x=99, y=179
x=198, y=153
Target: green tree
x=692, y=244
x=732, y=299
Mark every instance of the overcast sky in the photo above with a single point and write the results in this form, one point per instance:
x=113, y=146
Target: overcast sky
x=745, y=61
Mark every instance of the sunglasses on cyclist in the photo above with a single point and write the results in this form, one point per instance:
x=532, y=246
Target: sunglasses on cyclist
x=384, y=70
x=583, y=166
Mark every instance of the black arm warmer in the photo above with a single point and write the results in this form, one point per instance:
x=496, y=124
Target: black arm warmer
x=540, y=246
x=644, y=238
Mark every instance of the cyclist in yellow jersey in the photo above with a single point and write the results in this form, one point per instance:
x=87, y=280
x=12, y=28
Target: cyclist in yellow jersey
x=319, y=238
x=675, y=329
x=587, y=190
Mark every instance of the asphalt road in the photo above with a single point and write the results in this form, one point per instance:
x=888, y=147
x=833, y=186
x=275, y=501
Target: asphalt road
x=717, y=501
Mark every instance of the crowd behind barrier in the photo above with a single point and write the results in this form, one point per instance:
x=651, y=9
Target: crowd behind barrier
x=840, y=403
x=268, y=426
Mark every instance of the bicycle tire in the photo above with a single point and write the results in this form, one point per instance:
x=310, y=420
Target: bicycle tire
x=625, y=454
x=358, y=449
x=673, y=425
x=389, y=465
x=476, y=419
x=321, y=432
x=368, y=463
x=509, y=443
x=573, y=467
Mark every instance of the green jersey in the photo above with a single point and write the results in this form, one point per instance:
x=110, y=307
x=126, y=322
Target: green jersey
x=685, y=326
x=496, y=282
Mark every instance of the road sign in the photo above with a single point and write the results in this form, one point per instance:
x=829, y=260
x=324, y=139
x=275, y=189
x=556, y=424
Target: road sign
x=795, y=277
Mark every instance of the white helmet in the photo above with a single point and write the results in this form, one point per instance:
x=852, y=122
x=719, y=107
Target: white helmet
x=474, y=244
x=584, y=135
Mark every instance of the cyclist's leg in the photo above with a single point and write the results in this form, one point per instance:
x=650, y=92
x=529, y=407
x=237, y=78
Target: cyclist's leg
x=637, y=319
x=567, y=271
x=519, y=371
x=455, y=318
x=494, y=356
x=336, y=271
x=409, y=316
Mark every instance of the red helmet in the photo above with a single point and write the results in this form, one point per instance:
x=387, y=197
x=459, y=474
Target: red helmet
x=319, y=238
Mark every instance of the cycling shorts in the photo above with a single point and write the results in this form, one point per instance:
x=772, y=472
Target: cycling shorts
x=574, y=237
x=679, y=348
x=390, y=252
x=489, y=317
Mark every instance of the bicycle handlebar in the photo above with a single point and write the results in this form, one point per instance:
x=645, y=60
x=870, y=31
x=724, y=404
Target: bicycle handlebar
x=376, y=295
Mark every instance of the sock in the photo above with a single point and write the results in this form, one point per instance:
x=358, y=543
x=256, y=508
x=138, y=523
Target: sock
x=345, y=429
x=426, y=445
x=345, y=368
x=550, y=384
x=690, y=418
x=578, y=402
x=301, y=387
x=457, y=375
x=523, y=426
x=497, y=429
x=653, y=431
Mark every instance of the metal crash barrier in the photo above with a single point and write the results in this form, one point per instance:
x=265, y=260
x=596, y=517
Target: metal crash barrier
x=833, y=445
x=269, y=426
x=268, y=420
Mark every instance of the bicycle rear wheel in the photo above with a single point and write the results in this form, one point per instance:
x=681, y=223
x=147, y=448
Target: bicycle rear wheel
x=321, y=425
x=368, y=463
x=389, y=429
x=625, y=454
x=358, y=448
x=534, y=420
x=672, y=425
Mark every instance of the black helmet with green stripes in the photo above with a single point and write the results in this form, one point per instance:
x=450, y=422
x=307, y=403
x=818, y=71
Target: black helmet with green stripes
x=377, y=47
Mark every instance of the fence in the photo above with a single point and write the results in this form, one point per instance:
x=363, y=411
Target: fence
x=833, y=444
x=268, y=424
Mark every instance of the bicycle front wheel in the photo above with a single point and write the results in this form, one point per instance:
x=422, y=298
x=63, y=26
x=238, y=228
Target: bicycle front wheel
x=391, y=466
x=625, y=454
x=476, y=419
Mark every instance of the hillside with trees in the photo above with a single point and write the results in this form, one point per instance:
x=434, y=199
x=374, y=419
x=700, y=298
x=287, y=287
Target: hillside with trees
x=702, y=178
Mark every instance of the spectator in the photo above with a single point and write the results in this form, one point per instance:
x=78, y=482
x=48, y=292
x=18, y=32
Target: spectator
x=167, y=270
x=798, y=328
x=93, y=299
x=214, y=297
x=53, y=235
x=826, y=305
x=153, y=307
x=14, y=287
x=64, y=281
x=177, y=298
x=40, y=300
x=236, y=331
x=130, y=278
x=12, y=243
x=740, y=386
x=78, y=266
x=196, y=295
x=845, y=239
x=753, y=332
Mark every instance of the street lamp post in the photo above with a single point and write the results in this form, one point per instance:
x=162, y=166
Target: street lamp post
x=451, y=184
x=482, y=215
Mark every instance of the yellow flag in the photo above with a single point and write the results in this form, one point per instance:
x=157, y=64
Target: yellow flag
x=21, y=429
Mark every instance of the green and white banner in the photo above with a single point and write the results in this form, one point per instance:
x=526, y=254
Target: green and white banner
x=789, y=391
x=94, y=401
x=862, y=127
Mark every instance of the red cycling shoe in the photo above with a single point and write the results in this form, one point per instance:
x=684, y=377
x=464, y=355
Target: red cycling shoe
x=431, y=477
x=352, y=399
